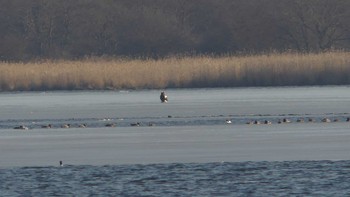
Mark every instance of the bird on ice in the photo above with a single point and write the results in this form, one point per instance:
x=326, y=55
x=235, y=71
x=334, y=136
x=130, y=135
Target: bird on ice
x=163, y=97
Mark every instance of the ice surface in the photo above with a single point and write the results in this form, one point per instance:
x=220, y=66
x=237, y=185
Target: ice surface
x=182, y=142
x=182, y=102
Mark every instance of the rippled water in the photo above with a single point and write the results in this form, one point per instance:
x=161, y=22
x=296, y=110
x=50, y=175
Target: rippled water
x=293, y=178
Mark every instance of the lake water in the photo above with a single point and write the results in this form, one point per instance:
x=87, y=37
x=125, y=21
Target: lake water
x=181, y=148
x=292, y=178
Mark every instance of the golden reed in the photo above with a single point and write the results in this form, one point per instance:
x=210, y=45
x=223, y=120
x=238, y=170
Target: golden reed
x=276, y=69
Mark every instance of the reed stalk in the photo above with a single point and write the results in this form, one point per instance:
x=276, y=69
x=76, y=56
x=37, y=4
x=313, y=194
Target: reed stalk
x=286, y=69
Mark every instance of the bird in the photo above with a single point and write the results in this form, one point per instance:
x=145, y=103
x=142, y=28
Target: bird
x=61, y=163
x=110, y=125
x=285, y=120
x=49, y=126
x=326, y=120
x=300, y=120
x=163, y=97
x=66, y=126
x=228, y=121
x=136, y=124
x=267, y=122
x=21, y=127
x=82, y=126
x=311, y=120
x=256, y=122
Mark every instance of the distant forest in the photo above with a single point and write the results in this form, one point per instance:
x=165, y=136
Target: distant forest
x=73, y=29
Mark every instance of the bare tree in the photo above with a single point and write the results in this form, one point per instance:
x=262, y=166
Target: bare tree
x=314, y=25
x=159, y=28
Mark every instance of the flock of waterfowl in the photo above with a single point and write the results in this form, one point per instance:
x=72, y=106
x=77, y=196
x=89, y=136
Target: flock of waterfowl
x=286, y=120
x=67, y=126
x=227, y=121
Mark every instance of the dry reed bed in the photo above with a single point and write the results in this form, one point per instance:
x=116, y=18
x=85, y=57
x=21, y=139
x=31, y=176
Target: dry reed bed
x=331, y=68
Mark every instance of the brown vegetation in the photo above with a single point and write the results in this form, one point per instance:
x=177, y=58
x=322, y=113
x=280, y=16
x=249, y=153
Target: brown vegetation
x=287, y=69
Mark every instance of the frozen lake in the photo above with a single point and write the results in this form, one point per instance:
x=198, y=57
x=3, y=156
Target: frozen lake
x=188, y=102
x=191, y=127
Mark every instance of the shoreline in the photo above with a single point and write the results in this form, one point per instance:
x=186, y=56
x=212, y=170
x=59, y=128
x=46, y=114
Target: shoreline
x=169, y=89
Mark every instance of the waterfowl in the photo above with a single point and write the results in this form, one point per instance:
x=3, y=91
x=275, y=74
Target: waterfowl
x=110, y=125
x=300, y=120
x=326, y=120
x=311, y=120
x=82, y=126
x=347, y=119
x=136, y=124
x=285, y=120
x=267, y=122
x=21, y=127
x=256, y=122
x=65, y=126
x=228, y=121
x=61, y=163
x=49, y=126
x=163, y=97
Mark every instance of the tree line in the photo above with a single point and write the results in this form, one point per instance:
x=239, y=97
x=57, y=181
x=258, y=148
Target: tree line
x=66, y=29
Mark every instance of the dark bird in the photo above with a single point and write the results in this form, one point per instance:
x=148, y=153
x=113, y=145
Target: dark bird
x=22, y=127
x=136, y=124
x=110, y=125
x=49, y=126
x=163, y=97
x=267, y=122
